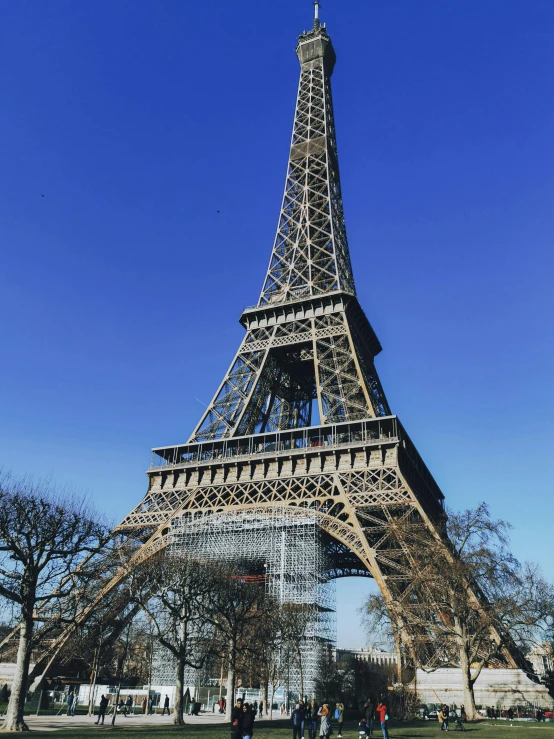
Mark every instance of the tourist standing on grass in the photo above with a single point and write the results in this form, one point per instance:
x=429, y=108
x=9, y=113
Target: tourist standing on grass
x=236, y=720
x=247, y=722
x=102, y=709
x=325, y=726
x=312, y=719
x=382, y=715
x=303, y=721
x=339, y=715
x=444, y=715
x=296, y=721
x=369, y=708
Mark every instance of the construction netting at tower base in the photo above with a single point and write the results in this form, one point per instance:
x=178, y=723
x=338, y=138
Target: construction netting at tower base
x=286, y=548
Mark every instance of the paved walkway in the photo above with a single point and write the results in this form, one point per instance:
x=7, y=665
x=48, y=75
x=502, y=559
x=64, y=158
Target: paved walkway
x=54, y=723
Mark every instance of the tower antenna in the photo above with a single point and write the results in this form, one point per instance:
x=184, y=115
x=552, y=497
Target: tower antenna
x=316, y=14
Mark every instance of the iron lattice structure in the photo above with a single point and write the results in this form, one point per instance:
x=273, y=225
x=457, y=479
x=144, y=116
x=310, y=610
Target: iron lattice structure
x=300, y=428
x=308, y=345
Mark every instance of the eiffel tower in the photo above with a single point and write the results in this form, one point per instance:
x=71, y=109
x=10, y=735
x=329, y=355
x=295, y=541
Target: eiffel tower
x=299, y=435
x=300, y=429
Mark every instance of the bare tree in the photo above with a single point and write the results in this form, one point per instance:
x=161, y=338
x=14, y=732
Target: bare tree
x=239, y=602
x=293, y=620
x=176, y=593
x=271, y=645
x=44, y=537
x=328, y=681
x=471, y=600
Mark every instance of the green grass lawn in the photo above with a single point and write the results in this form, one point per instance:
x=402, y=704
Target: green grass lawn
x=282, y=730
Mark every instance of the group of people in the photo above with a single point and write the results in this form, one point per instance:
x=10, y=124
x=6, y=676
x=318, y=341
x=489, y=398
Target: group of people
x=71, y=703
x=309, y=714
x=303, y=714
x=125, y=708
x=373, y=713
x=445, y=715
x=242, y=720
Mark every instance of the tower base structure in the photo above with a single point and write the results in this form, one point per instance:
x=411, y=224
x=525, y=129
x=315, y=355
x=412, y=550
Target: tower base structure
x=495, y=688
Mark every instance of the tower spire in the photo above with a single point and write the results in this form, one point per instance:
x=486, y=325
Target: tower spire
x=316, y=15
x=310, y=253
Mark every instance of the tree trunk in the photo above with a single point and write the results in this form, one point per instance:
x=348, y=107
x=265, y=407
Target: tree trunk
x=300, y=672
x=92, y=690
x=14, y=715
x=231, y=672
x=271, y=700
x=398, y=650
x=264, y=696
x=179, y=684
x=467, y=684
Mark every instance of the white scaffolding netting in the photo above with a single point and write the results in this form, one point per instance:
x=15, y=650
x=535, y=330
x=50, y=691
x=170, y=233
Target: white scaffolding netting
x=286, y=546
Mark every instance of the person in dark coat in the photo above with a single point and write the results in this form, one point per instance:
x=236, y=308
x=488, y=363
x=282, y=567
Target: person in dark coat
x=369, y=708
x=102, y=710
x=313, y=709
x=247, y=721
x=237, y=716
x=297, y=720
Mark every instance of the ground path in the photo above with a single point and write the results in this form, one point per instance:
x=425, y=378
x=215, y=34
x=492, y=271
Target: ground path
x=214, y=726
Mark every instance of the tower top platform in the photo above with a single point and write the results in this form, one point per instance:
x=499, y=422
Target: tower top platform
x=314, y=45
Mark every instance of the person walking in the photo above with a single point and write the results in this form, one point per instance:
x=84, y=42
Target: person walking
x=128, y=705
x=381, y=711
x=166, y=706
x=102, y=710
x=143, y=704
x=369, y=708
x=312, y=719
x=261, y=709
x=339, y=715
x=325, y=726
x=247, y=722
x=303, y=720
x=444, y=715
x=296, y=720
x=150, y=705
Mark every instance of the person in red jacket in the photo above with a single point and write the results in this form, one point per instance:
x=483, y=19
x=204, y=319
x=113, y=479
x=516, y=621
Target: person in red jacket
x=381, y=712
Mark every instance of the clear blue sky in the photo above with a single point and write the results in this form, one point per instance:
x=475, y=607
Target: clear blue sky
x=120, y=289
